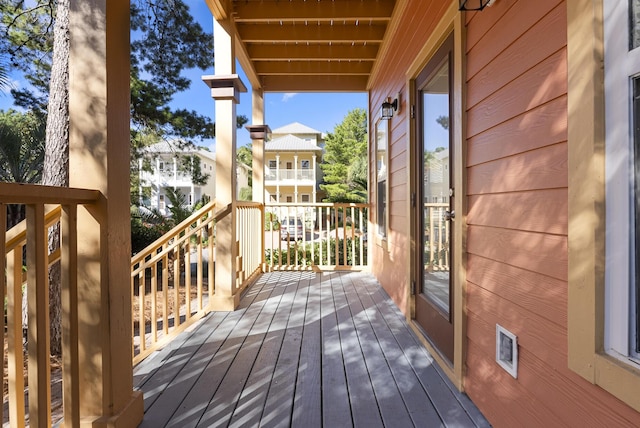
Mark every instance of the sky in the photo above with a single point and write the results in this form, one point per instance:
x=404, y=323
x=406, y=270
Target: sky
x=321, y=111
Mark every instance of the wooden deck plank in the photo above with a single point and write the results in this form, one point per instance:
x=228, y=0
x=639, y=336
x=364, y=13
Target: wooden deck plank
x=279, y=406
x=307, y=407
x=336, y=410
x=249, y=409
x=364, y=407
x=440, y=391
x=419, y=406
x=223, y=403
x=190, y=394
x=194, y=349
x=304, y=350
x=387, y=388
x=221, y=407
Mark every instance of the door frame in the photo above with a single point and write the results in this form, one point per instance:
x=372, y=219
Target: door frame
x=452, y=21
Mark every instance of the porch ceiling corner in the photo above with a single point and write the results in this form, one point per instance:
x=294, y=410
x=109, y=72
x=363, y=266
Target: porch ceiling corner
x=300, y=46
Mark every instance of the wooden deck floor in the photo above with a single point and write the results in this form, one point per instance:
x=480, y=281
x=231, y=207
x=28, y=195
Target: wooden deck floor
x=304, y=350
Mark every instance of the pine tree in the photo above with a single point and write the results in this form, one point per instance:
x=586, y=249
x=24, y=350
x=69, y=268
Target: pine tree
x=344, y=146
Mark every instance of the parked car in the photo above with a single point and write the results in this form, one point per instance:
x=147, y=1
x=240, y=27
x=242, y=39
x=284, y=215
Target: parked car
x=291, y=228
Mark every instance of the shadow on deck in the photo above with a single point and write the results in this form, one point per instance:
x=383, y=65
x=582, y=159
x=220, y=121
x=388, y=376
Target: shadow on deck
x=306, y=350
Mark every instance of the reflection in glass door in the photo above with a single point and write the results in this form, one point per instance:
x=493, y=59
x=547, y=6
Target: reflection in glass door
x=434, y=212
x=436, y=198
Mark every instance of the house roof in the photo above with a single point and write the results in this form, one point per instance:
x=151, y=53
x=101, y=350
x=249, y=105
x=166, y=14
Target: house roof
x=290, y=143
x=295, y=128
x=298, y=45
x=173, y=147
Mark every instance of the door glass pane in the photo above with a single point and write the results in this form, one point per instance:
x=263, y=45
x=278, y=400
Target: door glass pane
x=436, y=185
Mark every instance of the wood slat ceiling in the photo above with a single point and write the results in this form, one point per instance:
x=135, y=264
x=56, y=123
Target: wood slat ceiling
x=307, y=45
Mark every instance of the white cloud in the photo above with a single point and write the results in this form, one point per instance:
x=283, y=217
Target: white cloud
x=287, y=96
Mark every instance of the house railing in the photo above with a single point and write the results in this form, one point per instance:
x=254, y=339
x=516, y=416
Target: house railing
x=172, y=281
x=436, y=239
x=290, y=174
x=318, y=236
x=26, y=259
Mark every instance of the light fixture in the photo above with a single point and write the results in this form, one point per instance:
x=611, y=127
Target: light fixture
x=388, y=108
x=474, y=4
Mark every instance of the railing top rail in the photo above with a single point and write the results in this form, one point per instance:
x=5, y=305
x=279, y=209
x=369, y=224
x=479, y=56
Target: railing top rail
x=317, y=204
x=20, y=193
x=248, y=204
x=164, y=238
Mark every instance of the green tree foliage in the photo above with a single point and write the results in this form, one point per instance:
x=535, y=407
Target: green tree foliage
x=21, y=153
x=346, y=145
x=21, y=146
x=26, y=31
x=244, y=156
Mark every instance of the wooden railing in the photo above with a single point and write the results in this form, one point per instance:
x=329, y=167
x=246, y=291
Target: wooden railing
x=172, y=281
x=320, y=236
x=249, y=227
x=25, y=249
x=436, y=240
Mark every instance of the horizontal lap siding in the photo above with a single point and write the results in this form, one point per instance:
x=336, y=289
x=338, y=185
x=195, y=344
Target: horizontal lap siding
x=517, y=178
x=389, y=261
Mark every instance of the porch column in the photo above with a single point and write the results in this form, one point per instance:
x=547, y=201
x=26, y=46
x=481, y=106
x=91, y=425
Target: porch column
x=175, y=174
x=140, y=172
x=259, y=133
x=225, y=90
x=278, y=178
x=99, y=159
x=315, y=178
x=295, y=175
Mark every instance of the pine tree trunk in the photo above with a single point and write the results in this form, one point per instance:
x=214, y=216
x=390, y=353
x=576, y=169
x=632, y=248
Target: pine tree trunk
x=56, y=159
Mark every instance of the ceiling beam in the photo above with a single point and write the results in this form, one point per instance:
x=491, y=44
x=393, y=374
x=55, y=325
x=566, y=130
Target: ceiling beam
x=314, y=83
x=220, y=9
x=313, y=67
x=253, y=33
x=311, y=52
x=364, y=11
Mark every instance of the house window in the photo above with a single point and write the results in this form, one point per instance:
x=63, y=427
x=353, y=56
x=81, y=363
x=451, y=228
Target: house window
x=381, y=176
x=161, y=203
x=289, y=198
x=622, y=169
x=161, y=166
x=602, y=245
x=305, y=198
x=272, y=164
x=289, y=165
x=304, y=164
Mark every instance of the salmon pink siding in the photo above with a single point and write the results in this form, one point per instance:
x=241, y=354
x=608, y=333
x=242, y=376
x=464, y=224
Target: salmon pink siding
x=517, y=197
x=390, y=257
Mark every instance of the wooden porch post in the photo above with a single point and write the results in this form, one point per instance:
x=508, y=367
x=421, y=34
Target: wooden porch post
x=260, y=131
x=99, y=159
x=225, y=89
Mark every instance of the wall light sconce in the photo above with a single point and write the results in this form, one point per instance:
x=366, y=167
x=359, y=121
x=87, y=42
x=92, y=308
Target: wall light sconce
x=388, y=107
x=474, y=4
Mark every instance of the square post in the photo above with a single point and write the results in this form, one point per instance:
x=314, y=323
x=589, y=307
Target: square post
x=99, y=159
x=225, y=90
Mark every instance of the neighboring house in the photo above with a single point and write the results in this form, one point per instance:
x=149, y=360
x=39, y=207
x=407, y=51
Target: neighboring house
x=292, y=164
x=169, y=170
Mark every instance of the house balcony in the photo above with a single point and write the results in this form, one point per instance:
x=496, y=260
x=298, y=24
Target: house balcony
x=305, y=177
x=167, y=179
